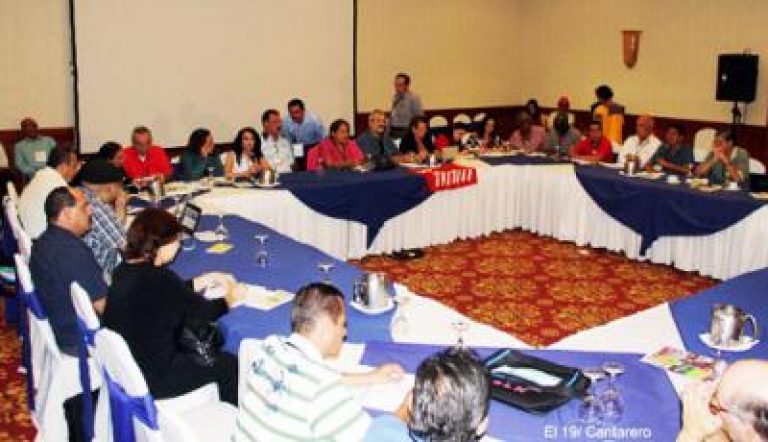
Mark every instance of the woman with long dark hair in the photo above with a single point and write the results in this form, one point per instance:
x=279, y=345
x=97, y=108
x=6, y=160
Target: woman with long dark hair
x=337, y=150
x=245, y=159
x=199, y=159
x=417, y=144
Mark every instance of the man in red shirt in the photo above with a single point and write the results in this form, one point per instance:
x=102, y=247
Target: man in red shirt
x=595, y=147
x=144, y=160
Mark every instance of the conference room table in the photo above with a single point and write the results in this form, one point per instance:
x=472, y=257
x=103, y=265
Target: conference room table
x=713, y=233
x=292, y=264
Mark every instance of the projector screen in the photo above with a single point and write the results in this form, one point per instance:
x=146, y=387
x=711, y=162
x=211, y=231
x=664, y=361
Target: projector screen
x=175, y=65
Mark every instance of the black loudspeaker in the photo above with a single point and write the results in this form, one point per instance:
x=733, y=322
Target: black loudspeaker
x=736, y=77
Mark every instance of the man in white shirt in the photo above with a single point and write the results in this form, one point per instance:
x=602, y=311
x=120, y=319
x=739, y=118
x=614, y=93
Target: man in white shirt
x=276, y=149
x=643, y=144
x=290, y=391
x=62, y=166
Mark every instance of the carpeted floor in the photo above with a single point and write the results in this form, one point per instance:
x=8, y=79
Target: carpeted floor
x=536, y=288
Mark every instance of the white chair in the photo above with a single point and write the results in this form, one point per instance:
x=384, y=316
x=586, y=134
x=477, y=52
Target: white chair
x=702, y=143
x=197, y=416
x=12, y=192
x=438, y=122
x=756, y=166
x=23, y=240
x=462, y=118
x=56, y=375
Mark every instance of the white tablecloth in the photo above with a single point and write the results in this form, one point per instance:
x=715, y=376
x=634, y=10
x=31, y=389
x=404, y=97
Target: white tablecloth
x=544, y=199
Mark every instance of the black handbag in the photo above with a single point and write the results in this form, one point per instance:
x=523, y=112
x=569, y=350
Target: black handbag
x=202, y=341
x=533, y=384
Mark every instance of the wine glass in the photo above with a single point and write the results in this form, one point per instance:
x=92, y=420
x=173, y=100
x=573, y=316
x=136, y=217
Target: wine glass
x=400, y=325
x=262, y=255
x=222, y=234
x=613, y=403
x=460, y=326
x=325, y=269
x=591, y=408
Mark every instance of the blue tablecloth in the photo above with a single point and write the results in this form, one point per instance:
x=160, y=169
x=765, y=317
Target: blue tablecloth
x=651, y=403
x=653, y=208
x=291, y=265
x=522, y=160
x=749, y=292
x=370, y=198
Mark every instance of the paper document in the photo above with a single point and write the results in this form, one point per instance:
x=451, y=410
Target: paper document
x=384, y=397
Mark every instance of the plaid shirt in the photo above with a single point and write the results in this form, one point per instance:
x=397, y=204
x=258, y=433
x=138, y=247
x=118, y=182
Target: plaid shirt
x=107, y=234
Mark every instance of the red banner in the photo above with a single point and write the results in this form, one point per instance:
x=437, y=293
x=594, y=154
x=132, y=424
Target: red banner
x=449, y=176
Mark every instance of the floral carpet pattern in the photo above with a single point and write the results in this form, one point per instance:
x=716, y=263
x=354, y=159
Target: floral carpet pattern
x=537, y=288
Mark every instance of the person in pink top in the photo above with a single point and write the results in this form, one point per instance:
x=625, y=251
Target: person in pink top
x=336, y=151
x=528, y=136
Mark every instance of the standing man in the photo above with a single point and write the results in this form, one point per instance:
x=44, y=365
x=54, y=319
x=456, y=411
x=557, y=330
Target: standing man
x=405, y=106
x=31, y=152
x=302, y=126
x=276, y=149
x=62, y=167
x=144, y=160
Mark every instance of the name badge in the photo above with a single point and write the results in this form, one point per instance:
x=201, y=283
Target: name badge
x=41, y=156
x=298, y=150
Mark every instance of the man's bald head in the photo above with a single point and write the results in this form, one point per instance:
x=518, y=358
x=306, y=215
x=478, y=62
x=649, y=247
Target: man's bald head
x=644, y=126
x=743, y=390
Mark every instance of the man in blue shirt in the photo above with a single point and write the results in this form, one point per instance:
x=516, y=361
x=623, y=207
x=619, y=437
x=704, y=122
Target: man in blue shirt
x=374, y=142
x=302, y=126
x=60, y=257
x=673, y=156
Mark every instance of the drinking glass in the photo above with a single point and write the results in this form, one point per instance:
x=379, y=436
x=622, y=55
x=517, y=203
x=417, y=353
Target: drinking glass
x=613, y=403
x=400, y=325
x=325, y=269
x=591, y=408
x=222, y=234
x=262, y=255
x=460, y=326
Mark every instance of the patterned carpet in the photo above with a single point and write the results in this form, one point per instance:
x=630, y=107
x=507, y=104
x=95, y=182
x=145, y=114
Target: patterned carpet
x=537, y=288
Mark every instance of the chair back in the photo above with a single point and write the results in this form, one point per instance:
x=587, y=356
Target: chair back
x=463, y=119
x=702, y=143
x=84, y=308
x=13, y=194
x=756, y=166
x=88, y=324
x=438, y=122
x=132, y=409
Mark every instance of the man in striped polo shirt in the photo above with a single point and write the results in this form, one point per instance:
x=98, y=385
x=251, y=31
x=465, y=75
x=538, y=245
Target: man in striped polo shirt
x=290, y=393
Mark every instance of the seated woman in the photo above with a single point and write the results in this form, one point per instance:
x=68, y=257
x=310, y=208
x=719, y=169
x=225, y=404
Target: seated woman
x=458, y=131
x=726, y=162
x=486, y=133
x=198, y=160
x=149, y=304
x=245, y=159
x=337, y=150
x=416, y=146
x=528, y=136
x=562, y=136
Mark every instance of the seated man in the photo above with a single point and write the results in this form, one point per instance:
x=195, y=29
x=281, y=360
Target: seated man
x=726, y=162
x=643, y=144
x=31, y=152
x=60, y=257
x=103, y=187
x=144, y=160
x=449, y=402
x=290, y=392
x=374, y=142
x=673, y=156
x=62, y=167
x=528, y=137
x=562, y=136
x=595, y=147
x=736, y=409
x=302, y=127
x=276, y=149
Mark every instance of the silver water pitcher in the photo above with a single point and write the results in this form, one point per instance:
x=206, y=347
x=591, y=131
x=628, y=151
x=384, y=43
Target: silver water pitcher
x=372, y=290
x=728, y=324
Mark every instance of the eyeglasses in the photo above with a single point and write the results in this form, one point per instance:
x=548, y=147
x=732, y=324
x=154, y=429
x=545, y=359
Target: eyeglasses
x=715, y=407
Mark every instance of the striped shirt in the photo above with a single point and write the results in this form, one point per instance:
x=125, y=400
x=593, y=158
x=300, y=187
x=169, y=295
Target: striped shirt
x=291, y=395
x=107, y=234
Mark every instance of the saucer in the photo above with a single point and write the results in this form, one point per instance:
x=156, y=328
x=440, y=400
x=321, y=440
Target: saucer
x=746, y=343
x=266, y=186
x=373, y=311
